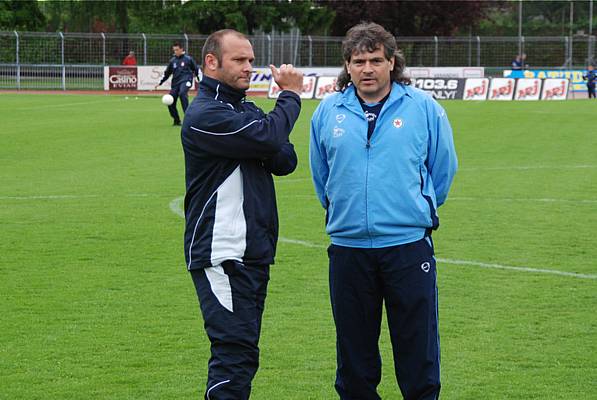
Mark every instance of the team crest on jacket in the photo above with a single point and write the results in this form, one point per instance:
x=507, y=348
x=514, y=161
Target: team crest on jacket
x=337, y=132
x=340, y=118
x=397, y=123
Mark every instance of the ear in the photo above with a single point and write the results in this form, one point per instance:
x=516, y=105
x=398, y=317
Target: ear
x=392, y=60
x=211, y=62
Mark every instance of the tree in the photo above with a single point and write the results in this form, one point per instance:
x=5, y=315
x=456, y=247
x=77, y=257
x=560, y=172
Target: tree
x=20, y=15
x=408, y=18
x=174, y=16
x=245, y=16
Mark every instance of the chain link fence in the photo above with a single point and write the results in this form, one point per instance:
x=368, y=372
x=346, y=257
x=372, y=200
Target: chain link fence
x=34, y=60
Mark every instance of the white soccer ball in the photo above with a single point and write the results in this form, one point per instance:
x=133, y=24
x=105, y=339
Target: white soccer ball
x=167, y=99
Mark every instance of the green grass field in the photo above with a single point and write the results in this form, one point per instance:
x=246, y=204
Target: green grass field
x=96, y=303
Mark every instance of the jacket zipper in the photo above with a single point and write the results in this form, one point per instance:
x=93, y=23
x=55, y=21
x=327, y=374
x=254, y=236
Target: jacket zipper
x=367, y=147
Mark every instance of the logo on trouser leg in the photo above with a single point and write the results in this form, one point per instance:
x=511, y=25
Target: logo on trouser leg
x=220, y=285
x=425, y=266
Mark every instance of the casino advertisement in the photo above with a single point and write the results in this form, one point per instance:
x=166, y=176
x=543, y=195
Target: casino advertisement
x=121, y=78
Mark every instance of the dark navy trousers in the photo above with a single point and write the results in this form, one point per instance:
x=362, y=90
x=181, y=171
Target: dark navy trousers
x=404, y=278
x=232, y=299
x=181, y=91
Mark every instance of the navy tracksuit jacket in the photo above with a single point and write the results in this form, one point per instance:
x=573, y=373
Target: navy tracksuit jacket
x=231, y=146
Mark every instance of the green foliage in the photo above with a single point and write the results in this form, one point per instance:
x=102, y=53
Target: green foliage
x=96, y=302
x=539, y=18
x=21, y=15
x=174, y=16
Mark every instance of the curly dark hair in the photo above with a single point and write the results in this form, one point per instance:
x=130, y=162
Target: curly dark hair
x=369, y=36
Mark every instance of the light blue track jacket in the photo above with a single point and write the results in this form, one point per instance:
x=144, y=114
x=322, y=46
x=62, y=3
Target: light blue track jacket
x=385, y=191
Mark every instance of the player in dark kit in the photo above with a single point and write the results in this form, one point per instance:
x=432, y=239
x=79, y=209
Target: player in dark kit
x=182, y=67
x=591, y=78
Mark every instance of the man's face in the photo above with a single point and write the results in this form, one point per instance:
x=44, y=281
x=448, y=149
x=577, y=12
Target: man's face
x=177, y=51
x=370, y=73
x=237, y=59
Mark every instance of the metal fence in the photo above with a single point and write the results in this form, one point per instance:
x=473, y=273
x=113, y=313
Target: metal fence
x=33, y=60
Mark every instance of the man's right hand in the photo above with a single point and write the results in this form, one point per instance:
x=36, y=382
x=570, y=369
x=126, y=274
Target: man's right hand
x=288, y=78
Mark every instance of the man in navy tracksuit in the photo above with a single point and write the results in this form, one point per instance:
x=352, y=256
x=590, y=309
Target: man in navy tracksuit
x=182, y=67
x=231, y=151
x=383, y=159
x=591, y=78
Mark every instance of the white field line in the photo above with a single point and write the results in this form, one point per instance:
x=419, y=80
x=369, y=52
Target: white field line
x=291, y=180
x=524, y=200
x=527, y=167
x=41, y=107
x=175, y=206
x=77, y=196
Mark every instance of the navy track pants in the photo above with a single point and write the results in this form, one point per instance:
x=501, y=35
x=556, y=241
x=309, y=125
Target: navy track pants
x=404, y=278
x=181, y=91
x=232, y=299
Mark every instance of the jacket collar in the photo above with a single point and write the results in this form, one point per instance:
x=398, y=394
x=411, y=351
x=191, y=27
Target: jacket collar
x=217, y=90
x=350, y=100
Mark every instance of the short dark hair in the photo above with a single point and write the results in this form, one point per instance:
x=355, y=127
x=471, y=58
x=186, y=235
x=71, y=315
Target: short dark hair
x=213, y=44
x=177, y=44
x=369, y=36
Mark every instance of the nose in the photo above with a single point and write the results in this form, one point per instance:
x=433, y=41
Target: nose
x=367, y=68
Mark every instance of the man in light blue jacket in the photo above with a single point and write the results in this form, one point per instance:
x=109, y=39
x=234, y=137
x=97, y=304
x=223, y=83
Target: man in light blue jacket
x=383, y=159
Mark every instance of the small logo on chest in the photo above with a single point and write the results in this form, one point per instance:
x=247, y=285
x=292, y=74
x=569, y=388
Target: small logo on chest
x=370, y=116
x=398, y=123
x=337, y=132
x=340, y=118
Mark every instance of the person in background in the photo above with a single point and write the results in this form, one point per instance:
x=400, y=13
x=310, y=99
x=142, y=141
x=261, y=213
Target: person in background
x=130, y=59
x=182, y=67
x=518, y=63
x=591, y=78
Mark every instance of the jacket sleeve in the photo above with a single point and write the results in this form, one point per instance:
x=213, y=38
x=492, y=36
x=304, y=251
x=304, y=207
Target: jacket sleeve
x=442, y=162
x=283, y=162
x=220, y=130
x=167, y=73
x=317, y=158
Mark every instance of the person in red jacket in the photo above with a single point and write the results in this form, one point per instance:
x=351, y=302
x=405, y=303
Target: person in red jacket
x=130, y=59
